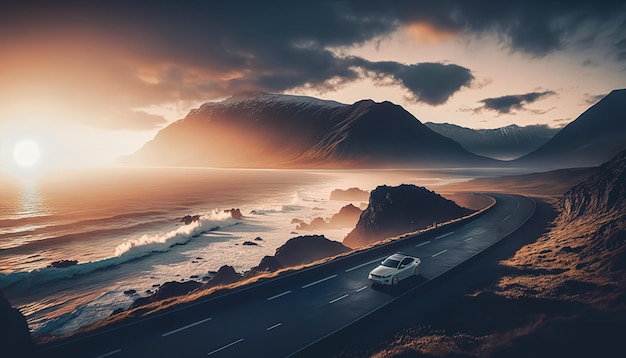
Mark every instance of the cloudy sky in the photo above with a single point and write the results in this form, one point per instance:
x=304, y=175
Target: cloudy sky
x=88, y=81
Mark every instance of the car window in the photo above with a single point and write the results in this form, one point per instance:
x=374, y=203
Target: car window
x=406, y=261
x=390, y=263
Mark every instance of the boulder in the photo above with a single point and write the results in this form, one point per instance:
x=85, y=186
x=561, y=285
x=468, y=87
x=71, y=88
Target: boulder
x=397, y=210
x=63, y=263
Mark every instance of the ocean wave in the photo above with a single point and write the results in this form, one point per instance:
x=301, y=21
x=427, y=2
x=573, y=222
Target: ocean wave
x=126, y=251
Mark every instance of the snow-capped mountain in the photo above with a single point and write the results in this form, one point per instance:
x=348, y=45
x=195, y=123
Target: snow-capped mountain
x=504, y=143
x=271, y=130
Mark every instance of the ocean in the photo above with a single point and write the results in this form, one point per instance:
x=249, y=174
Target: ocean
x=123, y=227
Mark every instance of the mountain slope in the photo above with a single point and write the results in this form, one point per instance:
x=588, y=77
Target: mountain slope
x=269, y=130
x=594, y=137
x=504, y=143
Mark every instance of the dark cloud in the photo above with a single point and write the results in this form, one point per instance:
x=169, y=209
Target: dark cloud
x=591, y=99
x=169, y=51
x=429, y=82
x=506, y=104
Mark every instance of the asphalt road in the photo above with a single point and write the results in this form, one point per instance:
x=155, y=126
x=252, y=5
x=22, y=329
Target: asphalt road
x=283, y=320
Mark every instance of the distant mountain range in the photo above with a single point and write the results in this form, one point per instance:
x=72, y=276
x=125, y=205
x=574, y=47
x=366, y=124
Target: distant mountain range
x=271, y=130
x=503, y=143
x=594, y=137
x=262, y=130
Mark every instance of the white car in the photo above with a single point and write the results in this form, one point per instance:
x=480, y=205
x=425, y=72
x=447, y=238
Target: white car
x=394, y=269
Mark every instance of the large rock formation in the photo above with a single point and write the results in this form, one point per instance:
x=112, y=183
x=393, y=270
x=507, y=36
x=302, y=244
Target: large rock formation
x=14, y=332
x=300, y=250
x=351, y=194
x=396, y=210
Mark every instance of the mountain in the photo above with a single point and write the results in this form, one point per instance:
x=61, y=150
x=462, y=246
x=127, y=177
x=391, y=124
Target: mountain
x=503, y=143
x=395, y=210
x=593, y=138
x=271, y=130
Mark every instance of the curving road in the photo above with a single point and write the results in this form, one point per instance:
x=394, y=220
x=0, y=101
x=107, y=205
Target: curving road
x=282, y=319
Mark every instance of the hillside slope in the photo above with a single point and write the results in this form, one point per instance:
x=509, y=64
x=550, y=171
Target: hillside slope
x=269, y=130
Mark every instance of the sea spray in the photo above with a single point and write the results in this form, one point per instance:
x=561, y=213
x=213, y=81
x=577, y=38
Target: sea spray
x=149, y=243
x=124, y=252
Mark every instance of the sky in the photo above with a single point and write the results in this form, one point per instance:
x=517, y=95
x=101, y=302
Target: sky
x=84, y=82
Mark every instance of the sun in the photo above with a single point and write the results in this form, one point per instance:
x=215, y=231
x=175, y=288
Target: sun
x=26, y=153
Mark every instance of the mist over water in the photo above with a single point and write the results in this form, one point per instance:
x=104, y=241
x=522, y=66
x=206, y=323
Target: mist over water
x=123, y=227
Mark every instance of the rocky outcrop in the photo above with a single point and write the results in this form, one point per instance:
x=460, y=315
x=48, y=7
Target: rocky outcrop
x=14, y=332
x=235, y=213
x=299, y=250
x=188, y=219
x=602, y=193
x=396, y=210
x=347, y=217
x=167, y=290
x=63, y=263
x=352, y=194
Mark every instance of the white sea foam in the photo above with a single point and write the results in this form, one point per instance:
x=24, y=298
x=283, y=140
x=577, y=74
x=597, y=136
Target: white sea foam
x=128, y=250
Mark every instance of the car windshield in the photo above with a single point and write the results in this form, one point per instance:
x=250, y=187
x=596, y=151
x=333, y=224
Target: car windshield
x=391, y=263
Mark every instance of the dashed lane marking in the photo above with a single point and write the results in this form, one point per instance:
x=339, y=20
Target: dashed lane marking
x=423, y=243
x=226, y=346
x=361, y=289
x=274, y=326
x=469, y=239
x=279, y=295
x=365, y=264
x=319, y=281
x=339, y=298
x=184, y=328
x=444, y=235
x=110, y=353
x=439, y=253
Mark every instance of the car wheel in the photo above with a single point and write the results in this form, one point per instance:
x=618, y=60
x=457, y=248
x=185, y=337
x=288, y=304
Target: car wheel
x=394, y=280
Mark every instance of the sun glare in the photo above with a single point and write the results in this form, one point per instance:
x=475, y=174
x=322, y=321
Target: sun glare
x=26, y=153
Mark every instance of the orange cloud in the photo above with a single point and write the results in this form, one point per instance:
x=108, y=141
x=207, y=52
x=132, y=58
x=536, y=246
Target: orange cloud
x=425, y=32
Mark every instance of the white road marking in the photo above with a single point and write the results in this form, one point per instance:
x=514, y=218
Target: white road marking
x=506, y=218
x=469, y=239
x=339, y=298
x=439, y=253
x=516, y=205
x=365, y=264
x=423, y=243
x=480, y=232
x=274, y=326
x=318, y=281
x=444, y=235
x=184, y=328
x=279, y=295
x=226, y=346
x=110, y=353
x=361, y=289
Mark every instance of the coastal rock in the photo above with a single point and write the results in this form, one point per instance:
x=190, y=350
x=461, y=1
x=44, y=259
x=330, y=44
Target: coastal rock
x=235, y=213
x=188, y=219
x=258, y=238
x=168, y=290
x=347, y=217
x=250, y=243
x=225, y=275
x=297, y=251
x=63, y=263
x=396, y=210
x=14, y=332
x=352, y=194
